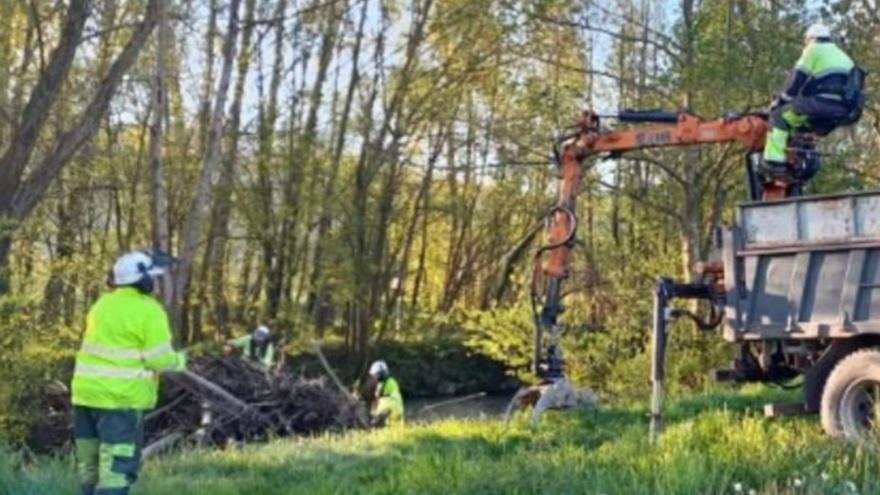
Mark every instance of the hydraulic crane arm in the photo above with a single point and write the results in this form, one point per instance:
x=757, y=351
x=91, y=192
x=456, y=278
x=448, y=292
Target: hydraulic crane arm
x=551, y=267
x=668, y=129
x=675, y=129
x=679, y=129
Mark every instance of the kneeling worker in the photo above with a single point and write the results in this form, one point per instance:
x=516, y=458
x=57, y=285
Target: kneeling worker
x=256, y=347
x=388, y=403
x=126, y=343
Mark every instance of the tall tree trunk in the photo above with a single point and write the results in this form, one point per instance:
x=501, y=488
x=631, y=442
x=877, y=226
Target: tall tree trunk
x=27, y=58
x=423, y=254
x=19, y=195
x=300, y=161
x=159, y=199
x=214, y=265
x=24, y=139
x=318, y=298
x=419, y=208
x=692, y=213
x=36, y=112
x=268, y=118
x=207, y=78
x=380, y=261
x=191, y=233
x=359, y=218
x=369, y=244
x=311, y=166
x=456, y=269
x=7, y=18
x=244, y=281
x=57, y=287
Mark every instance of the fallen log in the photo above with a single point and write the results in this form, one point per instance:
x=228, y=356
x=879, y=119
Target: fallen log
x=213, y=388
x=164, y=407
x=161, y=445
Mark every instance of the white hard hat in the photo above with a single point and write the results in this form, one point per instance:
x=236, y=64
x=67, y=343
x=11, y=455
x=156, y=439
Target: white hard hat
x=262, y=331
x=131, y=267
x=817, y=30
x=378, y=368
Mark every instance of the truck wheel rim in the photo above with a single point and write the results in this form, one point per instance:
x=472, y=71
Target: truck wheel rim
x=860, y=408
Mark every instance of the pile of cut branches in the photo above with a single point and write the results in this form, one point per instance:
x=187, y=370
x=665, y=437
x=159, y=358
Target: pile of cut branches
x=227, y=399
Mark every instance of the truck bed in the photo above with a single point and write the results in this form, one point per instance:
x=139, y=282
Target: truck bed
x=803, y=268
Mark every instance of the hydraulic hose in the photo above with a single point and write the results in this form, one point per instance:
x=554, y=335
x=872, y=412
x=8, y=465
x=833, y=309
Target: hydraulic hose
x=535, y=296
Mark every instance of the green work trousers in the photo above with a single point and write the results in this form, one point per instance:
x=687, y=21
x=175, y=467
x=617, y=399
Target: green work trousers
x=108, y=445
x=803, y=113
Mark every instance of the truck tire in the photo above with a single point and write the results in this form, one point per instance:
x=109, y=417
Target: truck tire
x=851, y=397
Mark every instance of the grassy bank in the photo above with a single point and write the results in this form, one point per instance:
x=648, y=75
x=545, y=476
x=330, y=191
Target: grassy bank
x=714, y=444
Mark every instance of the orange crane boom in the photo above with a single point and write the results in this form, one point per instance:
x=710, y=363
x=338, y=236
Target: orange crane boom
x=666, y=129
x=680, y=129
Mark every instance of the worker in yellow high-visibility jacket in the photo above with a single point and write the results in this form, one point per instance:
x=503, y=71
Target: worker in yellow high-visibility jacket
x=127, y=342
x=256, y=347
x=388, y=403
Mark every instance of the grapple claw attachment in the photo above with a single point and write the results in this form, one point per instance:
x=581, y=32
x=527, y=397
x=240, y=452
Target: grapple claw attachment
x=549, y=394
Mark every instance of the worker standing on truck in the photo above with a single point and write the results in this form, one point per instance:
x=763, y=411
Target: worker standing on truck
x=823, y=92
x=256, y=346
x=126, y=343
x=388, y=403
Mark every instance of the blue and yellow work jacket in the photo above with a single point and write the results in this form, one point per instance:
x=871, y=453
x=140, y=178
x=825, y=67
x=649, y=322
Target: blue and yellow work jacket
x=821, y=71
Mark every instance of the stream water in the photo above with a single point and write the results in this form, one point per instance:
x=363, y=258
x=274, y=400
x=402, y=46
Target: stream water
x=465, y=407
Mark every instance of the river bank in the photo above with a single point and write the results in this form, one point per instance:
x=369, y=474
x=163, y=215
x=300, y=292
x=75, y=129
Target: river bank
x=467, y=407
x=717, y=443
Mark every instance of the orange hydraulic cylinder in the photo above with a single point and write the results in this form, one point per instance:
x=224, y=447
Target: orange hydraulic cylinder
x=572, y=171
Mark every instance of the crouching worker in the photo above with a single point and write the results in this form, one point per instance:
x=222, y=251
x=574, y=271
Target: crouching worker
x=388, y=402
x=256, y=347
x=126, y=344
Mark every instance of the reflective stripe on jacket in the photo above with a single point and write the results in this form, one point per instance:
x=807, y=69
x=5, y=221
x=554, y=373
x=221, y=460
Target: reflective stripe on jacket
x=390, y=399
x=126, y=343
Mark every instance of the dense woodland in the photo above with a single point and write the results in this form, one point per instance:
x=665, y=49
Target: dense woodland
x=371, y=171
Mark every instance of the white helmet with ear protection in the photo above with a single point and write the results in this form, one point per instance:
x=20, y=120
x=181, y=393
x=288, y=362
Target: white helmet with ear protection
x=132, y=267
x=379, y=368
x=262, y=332
x=817, y=30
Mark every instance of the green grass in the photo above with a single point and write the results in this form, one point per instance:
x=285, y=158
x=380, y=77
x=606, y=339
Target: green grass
x=713, y=444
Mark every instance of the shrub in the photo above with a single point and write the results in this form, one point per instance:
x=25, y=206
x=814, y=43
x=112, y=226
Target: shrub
x=35, y=357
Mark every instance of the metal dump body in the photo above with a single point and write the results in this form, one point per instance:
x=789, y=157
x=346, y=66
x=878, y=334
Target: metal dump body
x=803, y=268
